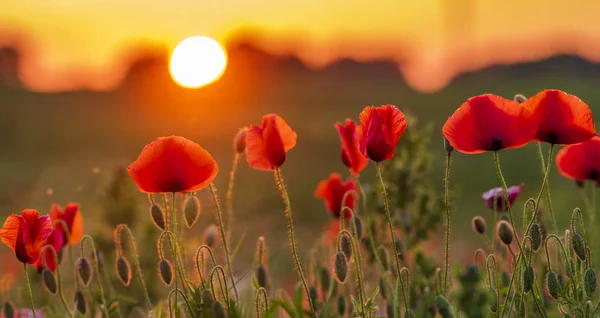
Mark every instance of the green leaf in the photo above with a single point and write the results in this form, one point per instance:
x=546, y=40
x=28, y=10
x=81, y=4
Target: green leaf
x=299, y=298
x=286, y=305
x=237, y=246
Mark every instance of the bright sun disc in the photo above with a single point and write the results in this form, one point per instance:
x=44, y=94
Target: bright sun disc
x=197, y=61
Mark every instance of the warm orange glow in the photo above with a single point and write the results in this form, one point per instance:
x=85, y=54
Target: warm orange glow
x=197, y=61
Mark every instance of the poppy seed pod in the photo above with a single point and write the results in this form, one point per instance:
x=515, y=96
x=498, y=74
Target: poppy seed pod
x=590, y=283
x=341, y=305
x=239, y=141
x=346, y=247
x=340, y=267
x=325, y=275
x=158, y=217
x=218, y=310
x=478, y=224
x=536, y=236
x=443, y=307
x=527, y=278
x=505, y=232
x=165, y=271
x=261, y=276
x=80, y=302
x=191, y=210
x=49, y=281
x=210, y=236
x=578, y=246
x=84, y=271
x=123, y=270
x=552, y=285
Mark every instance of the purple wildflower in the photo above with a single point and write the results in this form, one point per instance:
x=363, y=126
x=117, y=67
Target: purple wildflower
x=497, y=195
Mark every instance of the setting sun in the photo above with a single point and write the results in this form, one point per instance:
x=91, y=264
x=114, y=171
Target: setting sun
x=197, y=61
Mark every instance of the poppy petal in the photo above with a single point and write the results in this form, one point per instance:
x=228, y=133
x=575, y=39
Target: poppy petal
x=287, y=135
x=274, y=145
x=351, y=155
x=10, y=231
x=579, y=161
x=255, y=149
x=76, y=228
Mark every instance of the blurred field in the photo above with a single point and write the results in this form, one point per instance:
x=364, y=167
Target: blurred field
x=73, y=142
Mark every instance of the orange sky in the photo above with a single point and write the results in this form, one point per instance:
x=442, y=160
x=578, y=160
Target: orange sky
x=80, y=43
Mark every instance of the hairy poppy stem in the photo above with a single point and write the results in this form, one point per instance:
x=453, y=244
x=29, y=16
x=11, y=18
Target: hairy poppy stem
x=29, y=290
x=447, y=211
x=261, y=292
x=391, y=226
x=219, y=214
x=229, y=198
x=288, y=214
x=178, y=291
x=175, y=254
x=546, y=186
x=357, y=264
x=136, y=257
x=96, y=268
x=368, y=228
x=58, y=280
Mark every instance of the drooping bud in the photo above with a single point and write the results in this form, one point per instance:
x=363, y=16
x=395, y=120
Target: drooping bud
x=447, y=146
x=346, y=247
x=261, y=276
x=158, y=217
x=552, y=285
x=165, y=271
x=325, y=275
x=340, y=267
x=218, y=310
x=191, y=210
x=590, y=283
x=210, y=236
x=443, y=307
x=520, y=98
x=478, y=224
x=493, y=300
x=239, y=141
x=80, y=302
x=84, y=271
x=536, y=236
x=49, y=281
x=341, y=305
x=314, y=294
x=527, y=278
x=578, y=246
x=123, y=270
x=8, y=309
x=505, y=232
x=359, y=226
x=207, y=298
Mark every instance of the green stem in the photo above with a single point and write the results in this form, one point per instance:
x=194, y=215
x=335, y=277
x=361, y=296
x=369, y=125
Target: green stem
x=592, y=217
x=261, y=291
x=175, y=254
x=58, y=280
x=447, y=212
x=97, y=269
x=391, y=227
x=213, y=192
x=177, y=291
x=367, y=227
x=29, y=290
x=229, y=198
x=546, y=186
x=288, y=214
x=358, y=267
x=136, y=258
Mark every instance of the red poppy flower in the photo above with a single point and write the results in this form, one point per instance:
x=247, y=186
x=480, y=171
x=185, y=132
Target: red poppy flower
x=266, y=145
x=173, y=164
x=490, y=123
x=333, y=190
x=564, y=118
x=379, y=131
x=498, y=195
x=71, y=217
x=26, y=234
x=351, y=155
x=56, y=240
x=580, y=161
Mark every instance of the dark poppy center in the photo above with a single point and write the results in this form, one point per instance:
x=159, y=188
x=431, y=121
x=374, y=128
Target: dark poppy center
x=496, y=144
x=552, y=138
x=593, y=175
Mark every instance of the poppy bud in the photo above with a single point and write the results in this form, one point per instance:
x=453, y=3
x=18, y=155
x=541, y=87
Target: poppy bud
x=80, y=302
x=443, y=307
x=8, y=309
x=447, y=146
x=314, y=294
x=210, y=235
x=340, y=267
x=493, y=300
x=49, y=281
x=239, y=141
x=359, y=226
x=570, y=268
x=536, y=236
x=325, y=280
x=261, y=276
x=346, y=247
x=527, y=277
x=478, y=224
x=505, y=232
x=158, y=217
x=84, y=271
x=207, y=298
x=520, y=98
x=590, y=283
x=191, y=210
x=165, y=271
x=218, y=310
x=580, y=184
x=552, y=285
x=341, y=305
x=123, y=270
x=578, y=245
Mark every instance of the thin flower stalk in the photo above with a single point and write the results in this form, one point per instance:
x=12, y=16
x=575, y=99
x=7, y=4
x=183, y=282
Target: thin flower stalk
x=58, y=280
x=357, y=264
x=97, y=269
x=136, y=258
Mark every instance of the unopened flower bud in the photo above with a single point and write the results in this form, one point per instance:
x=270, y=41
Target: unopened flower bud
x=536, y=236
x=340, y=267
x=123, y=270
x=325, y=274
x=207, y=298
x=314, y=294
x=80, y=302
x=590, y=283
x=505, y=232
x=443, y=307
x=359, y=226
x=165, y=271
x=341, y=305
x=520, y=98
x=527, y=278
x=49, y=281
x=84, y=271
x=210, y=236
x=8, y=309
x=239, y=141
x=578, y=246
x=261, y=276
x=346, y=246
x=191, y=210
x=158, y=217
x=552, y=285
x=218, y=310
x=478, y=224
